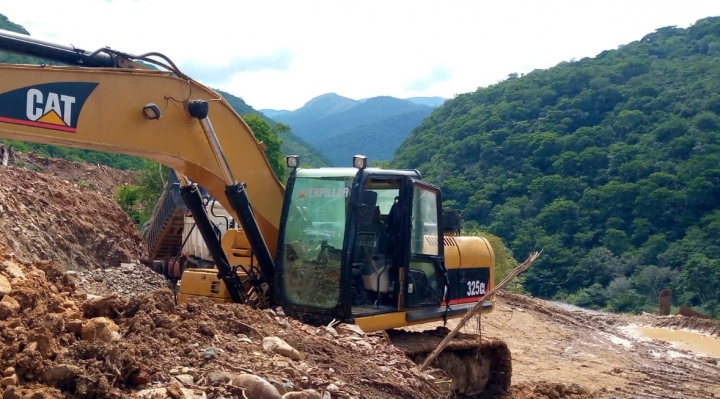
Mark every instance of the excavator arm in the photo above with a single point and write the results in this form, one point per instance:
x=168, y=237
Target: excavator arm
x=164, y=116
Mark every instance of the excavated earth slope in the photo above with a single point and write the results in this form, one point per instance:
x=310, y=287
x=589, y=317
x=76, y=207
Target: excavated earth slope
x=100, y=178
x=43, y=217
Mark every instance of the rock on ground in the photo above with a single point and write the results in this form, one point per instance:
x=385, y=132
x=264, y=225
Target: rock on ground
x=61, y=343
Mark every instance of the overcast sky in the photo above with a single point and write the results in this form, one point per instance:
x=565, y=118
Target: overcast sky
x=280, y=54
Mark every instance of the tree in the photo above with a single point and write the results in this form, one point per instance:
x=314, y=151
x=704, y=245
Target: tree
x=138, y=200
x=268, y=136
x=654, y=279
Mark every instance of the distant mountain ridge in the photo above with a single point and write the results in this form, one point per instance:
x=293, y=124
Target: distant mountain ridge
x=429, y=101
x=434, y=101
x=292, y=144
x=341, y=127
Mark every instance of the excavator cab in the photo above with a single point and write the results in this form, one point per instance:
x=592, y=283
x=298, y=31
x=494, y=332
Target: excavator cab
x=359, y=242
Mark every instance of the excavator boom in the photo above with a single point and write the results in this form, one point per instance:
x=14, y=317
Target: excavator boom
x=159, y=115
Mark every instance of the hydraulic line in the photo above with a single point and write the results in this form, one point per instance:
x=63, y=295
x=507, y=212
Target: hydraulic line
x=237, y=196
x=193, y=201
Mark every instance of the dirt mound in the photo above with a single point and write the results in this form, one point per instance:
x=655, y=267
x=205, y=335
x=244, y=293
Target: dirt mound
x=100, y=178
x=43, y=217
x=61, y=344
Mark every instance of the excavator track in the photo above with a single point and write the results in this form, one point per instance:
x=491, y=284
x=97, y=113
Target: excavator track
x=479, y=369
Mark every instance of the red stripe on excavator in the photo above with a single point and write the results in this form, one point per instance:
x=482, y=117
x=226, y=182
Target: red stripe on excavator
x=38, y=124
x=464, y=300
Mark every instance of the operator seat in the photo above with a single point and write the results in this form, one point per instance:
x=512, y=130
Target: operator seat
x=370, y=252
x=371, y=239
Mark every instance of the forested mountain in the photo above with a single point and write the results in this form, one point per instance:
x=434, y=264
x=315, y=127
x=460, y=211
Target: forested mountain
x=377, y=140
x=291, y=144
x=336, y=125
x=316, y=109
x=610, y=164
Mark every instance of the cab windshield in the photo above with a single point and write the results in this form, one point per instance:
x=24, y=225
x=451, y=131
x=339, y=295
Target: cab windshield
x=314, y=231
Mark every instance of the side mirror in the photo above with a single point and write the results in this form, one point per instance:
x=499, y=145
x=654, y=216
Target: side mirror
x=365, y=210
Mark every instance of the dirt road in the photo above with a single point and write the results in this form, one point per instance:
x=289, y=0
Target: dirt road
x=563, y=353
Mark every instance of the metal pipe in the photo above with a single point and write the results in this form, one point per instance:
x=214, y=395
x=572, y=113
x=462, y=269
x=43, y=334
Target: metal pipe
x=193, y=201
x=217, y=151
x=238, y=198
x=26, y=45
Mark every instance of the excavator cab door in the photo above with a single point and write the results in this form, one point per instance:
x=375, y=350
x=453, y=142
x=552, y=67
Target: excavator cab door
x=424, y=277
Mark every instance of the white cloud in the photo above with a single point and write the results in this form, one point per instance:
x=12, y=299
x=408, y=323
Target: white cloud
x=279, y=54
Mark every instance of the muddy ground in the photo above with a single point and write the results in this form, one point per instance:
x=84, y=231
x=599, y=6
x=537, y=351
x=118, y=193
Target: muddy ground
x=604, y=355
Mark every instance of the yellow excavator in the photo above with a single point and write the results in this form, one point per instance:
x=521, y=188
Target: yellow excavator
x=354, y=244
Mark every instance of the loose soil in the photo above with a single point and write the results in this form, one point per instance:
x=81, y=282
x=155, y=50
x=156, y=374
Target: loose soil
x=59, y=343
x=44, y=217
x=95, y=177
x=66, y=213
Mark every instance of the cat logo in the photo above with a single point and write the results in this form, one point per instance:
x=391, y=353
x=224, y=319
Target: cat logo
x=54, y=106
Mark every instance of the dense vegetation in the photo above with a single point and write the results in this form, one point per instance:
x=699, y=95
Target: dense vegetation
x=341, y=127
x=611, y=165
x=138, y=200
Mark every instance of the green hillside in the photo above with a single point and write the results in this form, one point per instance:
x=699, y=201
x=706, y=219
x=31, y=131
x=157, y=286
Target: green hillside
x=610, y=164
